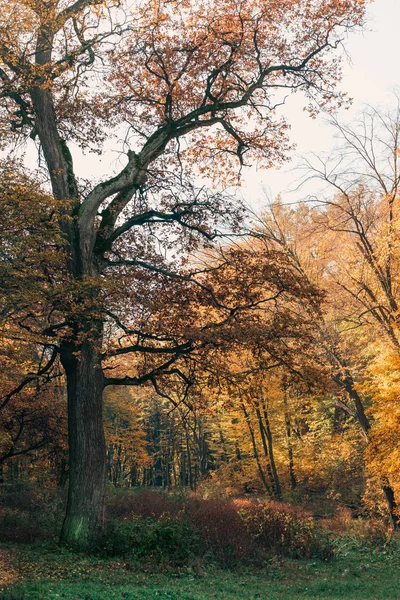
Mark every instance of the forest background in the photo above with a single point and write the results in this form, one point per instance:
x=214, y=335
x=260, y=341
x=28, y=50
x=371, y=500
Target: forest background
x=251, y=356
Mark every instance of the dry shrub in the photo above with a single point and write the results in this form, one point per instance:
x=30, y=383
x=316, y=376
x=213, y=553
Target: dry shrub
x=367, y=530
x=144, y=503
x=286, y=530
x=233, y=530
x=221, y=527
x=229, y=531
x=222, y=531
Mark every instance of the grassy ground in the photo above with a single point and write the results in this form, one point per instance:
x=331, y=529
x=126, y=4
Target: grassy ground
x=45, y=572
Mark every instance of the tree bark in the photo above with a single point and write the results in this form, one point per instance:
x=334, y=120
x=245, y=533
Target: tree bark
x=87, y=449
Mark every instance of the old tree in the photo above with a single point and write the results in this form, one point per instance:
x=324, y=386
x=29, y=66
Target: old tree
x=184, y=90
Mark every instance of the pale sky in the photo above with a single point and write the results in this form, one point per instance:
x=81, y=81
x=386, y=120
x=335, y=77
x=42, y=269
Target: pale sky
x=370, y=77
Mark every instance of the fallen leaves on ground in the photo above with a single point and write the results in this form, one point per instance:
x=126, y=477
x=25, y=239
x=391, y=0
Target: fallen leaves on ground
x=8, y=574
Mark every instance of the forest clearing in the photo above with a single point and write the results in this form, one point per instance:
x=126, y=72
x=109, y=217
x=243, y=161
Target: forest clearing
x=199, y=389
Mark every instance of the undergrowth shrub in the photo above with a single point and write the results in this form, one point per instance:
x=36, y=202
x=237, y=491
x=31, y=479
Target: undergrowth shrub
x=372, y=531
x=167, y=540
x=19, y=526
x=232, y=531
x=144, y=503
x=29, y=513
x=217, y=523
x=287, y=531
x=222, y=529
x=148, y=525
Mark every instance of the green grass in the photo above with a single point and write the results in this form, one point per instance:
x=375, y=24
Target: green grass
x=50, y=573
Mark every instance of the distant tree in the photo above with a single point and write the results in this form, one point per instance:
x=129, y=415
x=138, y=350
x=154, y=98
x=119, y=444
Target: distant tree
x=360, y=209
x=359, y=214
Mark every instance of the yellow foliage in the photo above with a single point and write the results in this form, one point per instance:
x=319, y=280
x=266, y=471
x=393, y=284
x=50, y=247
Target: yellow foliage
x=383, y=451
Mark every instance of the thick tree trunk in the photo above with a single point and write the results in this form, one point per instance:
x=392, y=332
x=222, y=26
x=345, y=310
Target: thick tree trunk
x=80, y=354
x=87, y=449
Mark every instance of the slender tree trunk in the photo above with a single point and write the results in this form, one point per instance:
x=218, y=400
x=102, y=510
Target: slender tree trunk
x=362, y=418
x=224, y=454
x=237, y=451
x=87, y=449
x=184, y=480
x=288, y=423
x=189, y=462
x=392, y=505
x=275, y=475
x=266, y=452
x=255, y=451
